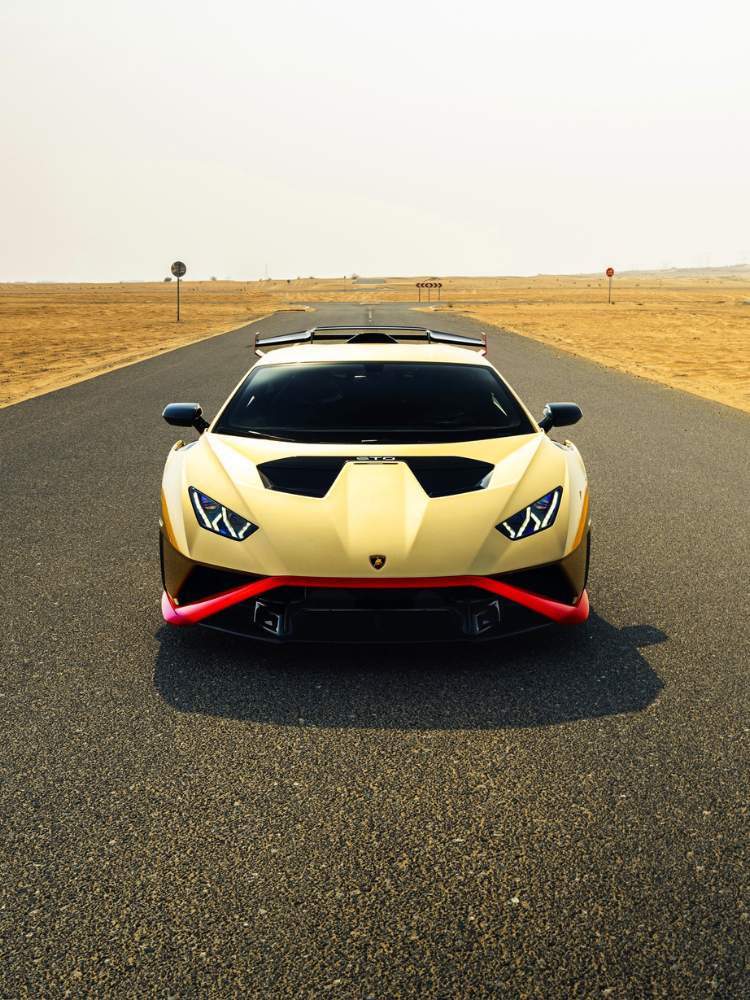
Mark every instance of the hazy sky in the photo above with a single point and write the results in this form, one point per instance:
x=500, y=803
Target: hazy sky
x=385, y=138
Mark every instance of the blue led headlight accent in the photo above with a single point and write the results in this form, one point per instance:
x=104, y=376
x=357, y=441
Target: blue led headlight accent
x=532, y=519
x=213, y=516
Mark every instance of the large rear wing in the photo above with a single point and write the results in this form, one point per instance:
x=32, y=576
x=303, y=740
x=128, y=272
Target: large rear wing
x=369, y=335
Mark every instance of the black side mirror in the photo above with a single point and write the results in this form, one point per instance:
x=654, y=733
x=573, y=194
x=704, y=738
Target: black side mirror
x=560, y=415
x=185, y=415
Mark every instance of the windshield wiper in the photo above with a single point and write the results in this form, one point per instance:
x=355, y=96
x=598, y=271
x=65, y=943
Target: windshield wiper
x=261, y=434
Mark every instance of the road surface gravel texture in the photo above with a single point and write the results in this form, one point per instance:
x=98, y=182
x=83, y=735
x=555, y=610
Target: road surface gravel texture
x=186, y=814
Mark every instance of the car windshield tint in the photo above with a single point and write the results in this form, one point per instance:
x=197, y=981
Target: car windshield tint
x=378, y=402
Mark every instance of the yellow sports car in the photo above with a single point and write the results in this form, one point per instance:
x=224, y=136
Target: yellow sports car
x=374, y=484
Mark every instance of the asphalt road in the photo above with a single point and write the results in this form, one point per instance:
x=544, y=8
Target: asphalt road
x=189, y=815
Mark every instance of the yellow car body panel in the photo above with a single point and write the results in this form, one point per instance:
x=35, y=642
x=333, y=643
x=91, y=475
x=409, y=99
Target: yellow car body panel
x=374, y=507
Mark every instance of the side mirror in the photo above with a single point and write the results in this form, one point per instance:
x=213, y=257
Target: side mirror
x=560, y=415
x=185, y=415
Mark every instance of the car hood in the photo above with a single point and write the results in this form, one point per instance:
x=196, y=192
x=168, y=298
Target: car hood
x=372, y=508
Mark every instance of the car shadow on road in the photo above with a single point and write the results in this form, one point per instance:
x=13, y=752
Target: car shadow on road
x=543, y=678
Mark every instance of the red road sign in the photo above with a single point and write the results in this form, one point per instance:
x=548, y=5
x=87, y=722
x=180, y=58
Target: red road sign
x=610, y=272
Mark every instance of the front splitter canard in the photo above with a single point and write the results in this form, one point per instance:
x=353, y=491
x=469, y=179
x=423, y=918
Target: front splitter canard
x=191, y=614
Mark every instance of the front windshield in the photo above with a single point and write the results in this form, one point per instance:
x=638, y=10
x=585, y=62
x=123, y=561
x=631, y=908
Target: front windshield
x=373, y=402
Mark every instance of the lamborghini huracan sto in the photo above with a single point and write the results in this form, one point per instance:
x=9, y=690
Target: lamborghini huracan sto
x=374, y=484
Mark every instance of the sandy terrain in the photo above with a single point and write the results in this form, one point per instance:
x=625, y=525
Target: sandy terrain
x=53, y=335
x=689, y=331
x=686, y=329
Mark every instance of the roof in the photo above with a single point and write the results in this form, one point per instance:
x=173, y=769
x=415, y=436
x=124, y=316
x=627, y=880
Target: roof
x=433, y=353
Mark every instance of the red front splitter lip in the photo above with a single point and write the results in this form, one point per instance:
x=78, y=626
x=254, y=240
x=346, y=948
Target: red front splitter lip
x=556, y=611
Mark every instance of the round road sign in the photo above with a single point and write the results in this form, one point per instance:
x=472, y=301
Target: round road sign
x=610, y=272
x=178, y=269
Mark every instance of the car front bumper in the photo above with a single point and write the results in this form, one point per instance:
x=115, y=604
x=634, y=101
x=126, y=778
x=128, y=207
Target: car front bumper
x=326, y=609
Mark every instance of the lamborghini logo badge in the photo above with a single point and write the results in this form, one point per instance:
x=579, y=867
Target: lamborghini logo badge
x=377, y=562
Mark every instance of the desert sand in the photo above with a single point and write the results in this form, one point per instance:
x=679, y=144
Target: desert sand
x=690, y=330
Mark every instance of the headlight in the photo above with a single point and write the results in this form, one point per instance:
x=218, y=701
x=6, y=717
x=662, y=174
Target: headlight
x=213, y=516
x=532, y=519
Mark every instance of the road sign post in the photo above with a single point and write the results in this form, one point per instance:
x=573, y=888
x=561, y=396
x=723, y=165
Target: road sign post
x=178, y=270
x=610, y=272
x=429, y=285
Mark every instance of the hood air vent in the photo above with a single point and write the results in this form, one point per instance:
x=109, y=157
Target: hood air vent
x=439, y=476
x=306, y=477
x=446, y=476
